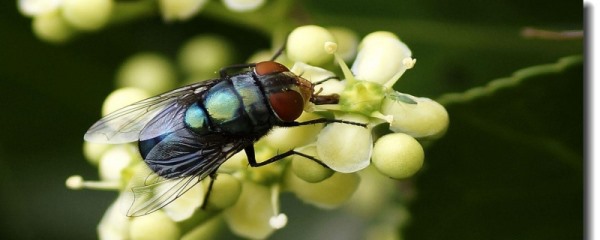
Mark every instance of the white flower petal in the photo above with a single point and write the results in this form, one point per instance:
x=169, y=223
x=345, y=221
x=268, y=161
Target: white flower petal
x=345, y=148
x=380, y=58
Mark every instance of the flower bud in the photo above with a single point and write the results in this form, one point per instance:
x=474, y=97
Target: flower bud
x=203, y=55
x=235, y=163
x=87, y=14
x=380, y=58
x=347, y=42
x=398, y=155
x=343, y=147
x=32, y=8
x=115, y=159
x=311, y=73
x=185, y=205
x=305, y=44
x=93, y=151
x=114, y=224
x=209, y=229
x=121, y=98
x=329, y=193
x=52, y=27
x=156, y=225
x=225, y=192
x=243, y=5
x=284, y=139
x=309, y=170
x=180, y=9
x=249, y=217
x=148, y=71
x=423, y=118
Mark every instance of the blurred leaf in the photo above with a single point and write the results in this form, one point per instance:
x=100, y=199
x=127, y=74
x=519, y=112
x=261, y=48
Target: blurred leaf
x=511, y=164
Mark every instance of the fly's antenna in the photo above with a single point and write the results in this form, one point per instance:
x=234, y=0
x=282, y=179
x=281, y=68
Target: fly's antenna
x=281, y=49
x=326, y=79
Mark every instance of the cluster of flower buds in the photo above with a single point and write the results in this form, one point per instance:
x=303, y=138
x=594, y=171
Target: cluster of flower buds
x=60, y=20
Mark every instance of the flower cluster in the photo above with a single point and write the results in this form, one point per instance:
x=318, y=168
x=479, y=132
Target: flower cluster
x=60, y=20
x=247, y=199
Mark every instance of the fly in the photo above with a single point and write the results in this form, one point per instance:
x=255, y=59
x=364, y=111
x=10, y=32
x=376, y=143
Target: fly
x=184, y=135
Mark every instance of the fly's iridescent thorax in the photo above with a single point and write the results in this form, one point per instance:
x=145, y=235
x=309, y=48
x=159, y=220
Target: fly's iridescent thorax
x=250, y=102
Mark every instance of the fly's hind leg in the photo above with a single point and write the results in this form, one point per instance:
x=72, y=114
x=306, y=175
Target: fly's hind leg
x=213, y=177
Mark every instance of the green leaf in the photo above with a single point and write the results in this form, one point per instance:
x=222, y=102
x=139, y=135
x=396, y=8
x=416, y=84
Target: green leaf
x=511, y=164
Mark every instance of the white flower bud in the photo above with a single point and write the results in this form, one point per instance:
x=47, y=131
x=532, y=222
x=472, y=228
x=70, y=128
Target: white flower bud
x=36, y=7
x=87, y=14
x=250, y=216
x=235, y=163
x=305, y=44
x=309, y=170
x=180, y=9
x=148, y=71
x=398, y=155
x=243, y=5
x=380, y=58
x=121, y=98
x=94, y=151
x=347, y=42
x=426, y=118
x=311, y=73
x=344, y=147
x=116, y=159
x=203, y=55
x=209, y=229
x=156, y=225
x=329, y=193
x=283, y=139
x=52, y=27
x=114, y=224
x=184, y=206
x=225, y=192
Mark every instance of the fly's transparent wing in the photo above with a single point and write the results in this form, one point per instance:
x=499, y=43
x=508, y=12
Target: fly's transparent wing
x=125, y=124
x=177, y=163
x=148, y=192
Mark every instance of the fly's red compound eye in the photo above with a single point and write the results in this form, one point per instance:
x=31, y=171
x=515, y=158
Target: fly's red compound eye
x=269, y=67
x=288, y=105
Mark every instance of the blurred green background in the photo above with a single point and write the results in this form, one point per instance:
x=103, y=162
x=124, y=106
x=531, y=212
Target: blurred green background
x=510, y=167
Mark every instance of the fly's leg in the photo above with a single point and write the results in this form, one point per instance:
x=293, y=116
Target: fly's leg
x=213, y=177
x=320, y=120
x=252, y=158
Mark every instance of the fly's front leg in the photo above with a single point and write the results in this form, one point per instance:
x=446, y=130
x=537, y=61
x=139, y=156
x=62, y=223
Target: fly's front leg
x=321, y=120
x=252, y=158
